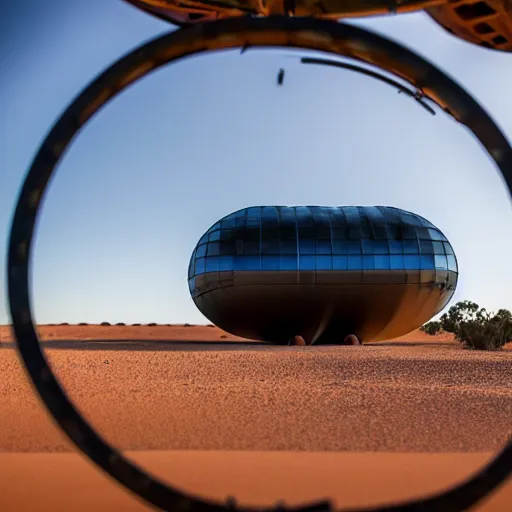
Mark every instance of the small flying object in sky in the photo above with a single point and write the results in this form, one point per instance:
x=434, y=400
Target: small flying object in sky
x=280, y=77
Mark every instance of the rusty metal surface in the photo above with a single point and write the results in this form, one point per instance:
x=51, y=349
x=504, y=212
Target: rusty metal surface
x=314, y=34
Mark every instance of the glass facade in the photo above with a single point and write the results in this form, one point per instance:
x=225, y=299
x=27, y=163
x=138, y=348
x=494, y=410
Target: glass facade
x=323, y=239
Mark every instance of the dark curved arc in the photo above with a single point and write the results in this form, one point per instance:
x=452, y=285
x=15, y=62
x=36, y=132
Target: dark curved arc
x=314, y=34
x=372, y=74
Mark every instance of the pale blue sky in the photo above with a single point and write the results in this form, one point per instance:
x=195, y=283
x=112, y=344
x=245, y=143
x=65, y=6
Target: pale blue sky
x=195, y=141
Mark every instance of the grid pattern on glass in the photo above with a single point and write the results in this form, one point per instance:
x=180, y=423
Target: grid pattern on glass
x=322, y=238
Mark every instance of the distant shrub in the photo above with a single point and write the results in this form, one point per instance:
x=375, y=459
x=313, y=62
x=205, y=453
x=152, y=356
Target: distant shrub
x=105, y=324
x=210, y=325
x=136, y=325
x=476, y=328
x=64, y=323
x=83, y=323
x=120, y=323
x=431, y=328
x=223, y=336
x=153, y=324
x=187, y=325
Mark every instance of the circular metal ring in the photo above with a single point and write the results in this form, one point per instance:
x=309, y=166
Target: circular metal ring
x=313, y=34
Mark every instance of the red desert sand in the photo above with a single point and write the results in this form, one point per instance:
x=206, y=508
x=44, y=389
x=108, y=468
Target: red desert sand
x=219, y=416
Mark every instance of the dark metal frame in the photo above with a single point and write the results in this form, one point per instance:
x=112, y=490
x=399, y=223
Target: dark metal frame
x=314, y=34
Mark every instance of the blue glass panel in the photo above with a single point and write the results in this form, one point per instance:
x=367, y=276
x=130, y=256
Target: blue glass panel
x=381, y=262
x=239, y=213
x=427, y=262
x=354, y=247
x=323, y=262
x=339, y=262
x=448, y=248
x=369, y=262
x=201, y=251
x=323, y=247
x=396, y=262
x=288, y=247
x=438, y=247
x=441, y=262
x=411, y=247
x=270, y=263
x=254, y=212
x=306, y=246
x=354, y=262
x=395, y=247
x=226, y=263
x=412, y=262
x=354, y=233
x=452, y=263
x=240, y=221
x=192, y=284
x=435, y=234
x=251, y=248
x=213, y=249
x=203, y=239
x=307, y=262
x=253, y=222
x=269, y=212
x=426, y=247
x=339, y=247
x=288, y=263
x=200, y=266
x=270, y=247
x=228, y=223
x=214, y=236
x=380, y=247
x=212, y=264
x=367, y=246
x=338, y=233
x=422, y=233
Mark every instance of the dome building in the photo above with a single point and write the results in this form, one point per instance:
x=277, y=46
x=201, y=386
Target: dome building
x=323, y=273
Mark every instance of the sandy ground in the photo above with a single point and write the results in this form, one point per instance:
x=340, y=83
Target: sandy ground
x=259, y=422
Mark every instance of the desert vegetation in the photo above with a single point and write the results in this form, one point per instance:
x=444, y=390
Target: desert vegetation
x=105, y=324
x=473, y=326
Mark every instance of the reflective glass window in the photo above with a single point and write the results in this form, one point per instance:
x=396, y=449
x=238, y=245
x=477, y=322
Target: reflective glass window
x=448, y=248
x=323, y=247
x=251, y=248
x=339, y=247
x=422, y=233
x=393, y=231
x=307, y=262
x=307, y=231
x=411, y=247
x=354, y=233
x=240, y=221
x=253, y=222
x=269, y=212
x=381, y=262
x=339, y=233
x=435, y=234
x=323, y=231
x=254, y=212
x=201, y=251
x=427, y=262
x=395, y=247
x=288, y=247
x=212, y=264
x=339, y=262
x=440, y=262
x=408, y=232
x=438, y=247
x=411, y=262
x=228, y=223
x=306, y=246
x=226, y=234
x=323, y=262
x=287, y=232
x=225, y=263
x=396, y=261
x=214, y=236
x=354, y=247
x=192, y=284
x=354, y=262
x=452, y=262
x=213, y=249
x=368, y=262
x=367, y=246
x=252, y=262
x=380, y=247
x=270, y=263
x=227, y=248
x=203, y=239
x=270, y=247
x=426, y=247
x=287, y=262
